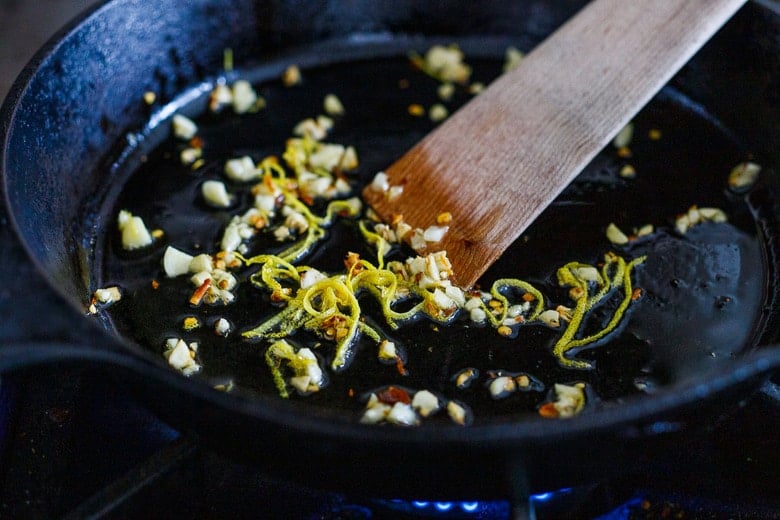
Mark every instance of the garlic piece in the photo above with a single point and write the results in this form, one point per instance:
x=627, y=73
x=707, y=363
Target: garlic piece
x=183, y=127
x=615, y=235
x=215, y=194
x=241, y=169
x=743, y=176
x=624, y=136
x=244, y=97
x=176, y=262
x=332, y=105
x=135, y=235
x=551, y=318
x=425, y=403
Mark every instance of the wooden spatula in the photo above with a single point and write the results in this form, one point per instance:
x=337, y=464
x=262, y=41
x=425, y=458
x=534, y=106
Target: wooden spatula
x=497, y=162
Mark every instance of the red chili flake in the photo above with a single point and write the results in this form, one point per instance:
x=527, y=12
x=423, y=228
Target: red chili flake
x=155, y=284
x=278, y=296
x=351, y=392
x=636, y=294
x=352, y=263
x=528, y=297
x=399, y=365
x=393, y=394
x=548, y=410
x=306, y=198
x=196, y=142
x=200, y=292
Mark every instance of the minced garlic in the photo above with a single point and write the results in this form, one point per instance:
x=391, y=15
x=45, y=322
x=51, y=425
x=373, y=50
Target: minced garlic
x=183, y=127
x=215, y=194
x=438, y=112
x=291, y=76
x=222, y=327
x=241, y=169
x=176, y=262
x=743, y=176
x=108, y=295
x=181, y=355
x=135, y=235
x=244, y=98
x=615, y=235
x=512, y=58
x=332, y=105
x=624, y=136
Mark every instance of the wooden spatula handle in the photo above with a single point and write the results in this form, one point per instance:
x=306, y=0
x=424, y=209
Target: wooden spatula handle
x=501, y=159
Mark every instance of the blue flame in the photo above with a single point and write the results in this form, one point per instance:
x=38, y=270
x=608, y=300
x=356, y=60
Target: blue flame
x=467, y=508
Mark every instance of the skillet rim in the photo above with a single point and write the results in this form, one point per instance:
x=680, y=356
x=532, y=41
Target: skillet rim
x=746, y=369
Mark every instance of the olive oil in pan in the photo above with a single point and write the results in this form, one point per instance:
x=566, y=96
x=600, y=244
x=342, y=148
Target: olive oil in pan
x=701, y=293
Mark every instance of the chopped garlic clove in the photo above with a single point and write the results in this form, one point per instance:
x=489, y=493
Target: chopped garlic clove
x=176, y=262
x=241, y=169
x=512, y=58
x=587, y=273
x=438, y=112
x=551, y=318
x=181, y=356
x=190, y=155
x=445, y=91
x=244, y=97
x=402, y=414
x=332, y=105
x=220, y=97
x=374, y=414
x=435, y=234
x=502, y=386
x=380, y=183
x=387, y=350
x=310, y=277
x=465, y=377
x=713, y=215
x=743, y=176
x=135, y=235
x=570, y=400
x=477, y=315
x=222, y=327
x=425, y=402
x=215, y=194
x=645, y=230
x=349, y=161
x=201, y=263
x=108, y=295
x=327, y=156
x=624, y=136
x=457, y=413
x=291, y=76
x=615, y=235
x=183, y=127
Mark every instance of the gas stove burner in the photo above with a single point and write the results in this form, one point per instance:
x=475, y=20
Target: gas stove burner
x=588, y=500
x=448, y=509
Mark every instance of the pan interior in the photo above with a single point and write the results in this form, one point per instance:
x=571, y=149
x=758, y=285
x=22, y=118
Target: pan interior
x=702, y=292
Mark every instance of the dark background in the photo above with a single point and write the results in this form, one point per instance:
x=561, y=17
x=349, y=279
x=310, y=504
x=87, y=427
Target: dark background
x=25, y=26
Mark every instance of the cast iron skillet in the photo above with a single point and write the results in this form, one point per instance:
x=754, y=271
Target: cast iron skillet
x=77, y=105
